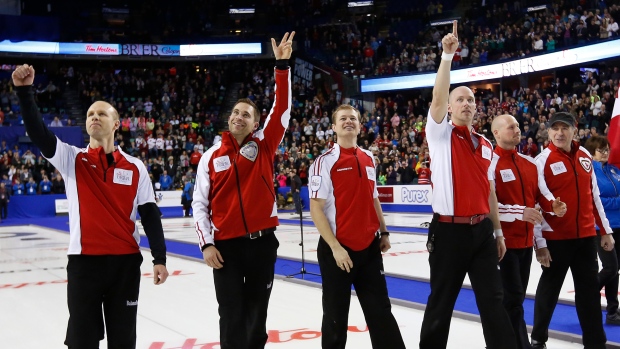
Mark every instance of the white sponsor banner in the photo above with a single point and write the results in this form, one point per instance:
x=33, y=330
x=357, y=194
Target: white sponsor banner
x=220, y=49
x=168, y=198
x=62, y=206
x=548, y=61
x=418, y=195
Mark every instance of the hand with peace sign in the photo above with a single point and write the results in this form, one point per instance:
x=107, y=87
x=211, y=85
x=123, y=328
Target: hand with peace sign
x=284, y=50
x=450, y=42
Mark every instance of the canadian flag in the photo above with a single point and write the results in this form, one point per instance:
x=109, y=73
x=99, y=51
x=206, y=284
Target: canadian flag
x=613, y=134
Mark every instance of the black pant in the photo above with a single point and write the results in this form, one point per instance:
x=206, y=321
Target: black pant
x=243, y=287
x=187, y=206
x=461, y=249
x=297, y=201
x=4, y=209
x=608, y=276
x=369, y=280
x=580, y=256
x=113, y=281
x=515, y=271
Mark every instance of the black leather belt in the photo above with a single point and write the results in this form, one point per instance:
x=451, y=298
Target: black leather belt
x=260, y=233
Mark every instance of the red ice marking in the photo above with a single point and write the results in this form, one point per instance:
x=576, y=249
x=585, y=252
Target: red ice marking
x=64, y=281
x=396, y=254
x=275, y=336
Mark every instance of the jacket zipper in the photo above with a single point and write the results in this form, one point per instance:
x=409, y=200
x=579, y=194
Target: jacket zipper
x=237, y=150
x=359, y=170
x=578, y=197
x=245, y=225
x=105, y=170
x=522, y=193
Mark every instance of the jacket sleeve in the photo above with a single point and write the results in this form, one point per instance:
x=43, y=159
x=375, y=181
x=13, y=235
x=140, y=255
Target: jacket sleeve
x=278, y=119
x=599, y=212
x=201, y=204
x=38, y=132
x=510, y=213
x=539, y=240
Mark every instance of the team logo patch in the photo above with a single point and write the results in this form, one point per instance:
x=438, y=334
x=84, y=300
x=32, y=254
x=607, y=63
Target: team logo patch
x=585, y=163
x=250, y=151
x=315, y=183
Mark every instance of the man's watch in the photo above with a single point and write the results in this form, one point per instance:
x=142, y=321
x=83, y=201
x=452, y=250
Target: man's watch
x=204, y=247
x=385, y=233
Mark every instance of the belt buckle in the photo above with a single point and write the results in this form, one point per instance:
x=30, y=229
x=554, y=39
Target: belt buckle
x=256, y=235
x=471, y=219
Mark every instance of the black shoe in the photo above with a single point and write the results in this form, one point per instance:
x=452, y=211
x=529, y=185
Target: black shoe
x=613, y=319
x=538, y=345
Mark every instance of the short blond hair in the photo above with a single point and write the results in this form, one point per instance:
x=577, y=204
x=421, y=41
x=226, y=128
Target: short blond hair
x=343, y=107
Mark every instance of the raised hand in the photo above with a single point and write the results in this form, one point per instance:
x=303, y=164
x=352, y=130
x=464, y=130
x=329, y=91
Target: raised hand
x=450, y=42
x=23, y=75
x=284, y=50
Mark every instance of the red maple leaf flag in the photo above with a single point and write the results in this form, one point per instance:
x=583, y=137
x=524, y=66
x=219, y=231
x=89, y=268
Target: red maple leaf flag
x=613, y=134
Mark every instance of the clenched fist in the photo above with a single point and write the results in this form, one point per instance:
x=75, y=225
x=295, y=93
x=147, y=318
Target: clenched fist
x=23, y=75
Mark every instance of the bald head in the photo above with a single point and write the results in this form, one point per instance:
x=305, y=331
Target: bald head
x=103, y=105
x=501, y=121
x=506, y=131
x=461, y=91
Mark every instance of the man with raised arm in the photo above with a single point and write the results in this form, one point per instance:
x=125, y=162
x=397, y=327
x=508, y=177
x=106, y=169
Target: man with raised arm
x=235, y=211
x=105, y=188
x=465, y=235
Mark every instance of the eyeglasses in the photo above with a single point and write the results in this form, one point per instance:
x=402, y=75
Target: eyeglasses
x=603, y=151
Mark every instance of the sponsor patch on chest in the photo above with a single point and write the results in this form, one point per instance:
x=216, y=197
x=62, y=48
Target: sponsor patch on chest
x=486, y=152
x=123, y=177
x=222, y=163
x=250, y=151
x=557, y=168
x=507, y=175
x=370, y=172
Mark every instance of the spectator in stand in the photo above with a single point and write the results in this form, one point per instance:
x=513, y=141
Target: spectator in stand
x=530, y=148
x=56, y=122
x=5, y=198
x=165, y=181
x=424, y=173
x=18, y=187
x=58, y=185
x=46, y=185
x=31, y=187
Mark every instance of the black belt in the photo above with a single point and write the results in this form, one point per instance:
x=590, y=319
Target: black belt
x=260, y=233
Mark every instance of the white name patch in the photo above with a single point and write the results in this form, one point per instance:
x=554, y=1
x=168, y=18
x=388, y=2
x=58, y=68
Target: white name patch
x=222, y=163
x=558, y=168
x=507, y=175
x=315, y=183
x=486, y=152
x=123, y=177
x=370, y=172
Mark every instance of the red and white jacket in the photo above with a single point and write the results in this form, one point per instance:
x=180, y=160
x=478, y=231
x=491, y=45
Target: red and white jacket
x=346, y=179
x=459, y=169
x=234, y=192
x=101, y=219
x=571, y=177
x=516, y=186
